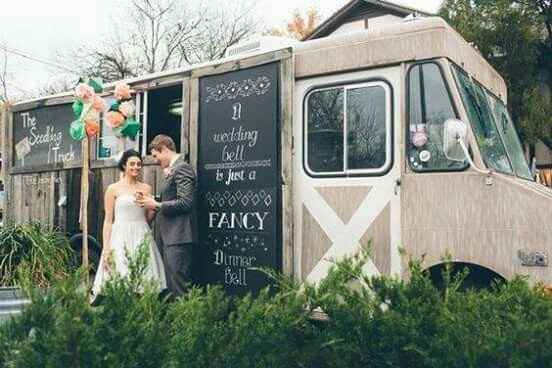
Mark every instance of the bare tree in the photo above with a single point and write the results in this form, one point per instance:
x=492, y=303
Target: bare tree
x=160, y=28
x=58, y=85
x=110, y=60
x=4, y=97
x=158, y=35
x=221, y=27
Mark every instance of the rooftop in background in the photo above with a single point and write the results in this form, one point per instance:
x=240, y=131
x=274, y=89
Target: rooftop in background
x=367, y=14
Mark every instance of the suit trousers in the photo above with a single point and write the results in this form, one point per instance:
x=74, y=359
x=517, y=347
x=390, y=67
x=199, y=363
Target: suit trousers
x=177, y=259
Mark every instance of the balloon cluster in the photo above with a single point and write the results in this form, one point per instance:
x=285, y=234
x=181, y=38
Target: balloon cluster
x=87, y=109
x=121, y=115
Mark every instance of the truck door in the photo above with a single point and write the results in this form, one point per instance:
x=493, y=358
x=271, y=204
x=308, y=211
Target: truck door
x=347, y=170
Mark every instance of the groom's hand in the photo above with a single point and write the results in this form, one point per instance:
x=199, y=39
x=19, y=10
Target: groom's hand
x=148, y=202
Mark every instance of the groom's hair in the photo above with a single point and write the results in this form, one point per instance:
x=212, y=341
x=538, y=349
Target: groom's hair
x=160, y=141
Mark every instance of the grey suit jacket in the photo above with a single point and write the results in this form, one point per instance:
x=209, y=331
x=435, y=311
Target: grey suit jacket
x=175, y=221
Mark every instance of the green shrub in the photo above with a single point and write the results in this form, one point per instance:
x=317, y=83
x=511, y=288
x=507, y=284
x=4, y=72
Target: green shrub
x=32, y=252
x=130, y=327
x=372, y=321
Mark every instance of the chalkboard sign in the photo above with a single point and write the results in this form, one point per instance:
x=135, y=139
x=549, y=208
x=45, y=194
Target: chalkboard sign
x=41, y=137
x=238, y=169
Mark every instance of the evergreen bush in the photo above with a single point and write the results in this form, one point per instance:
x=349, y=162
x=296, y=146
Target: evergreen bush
x=32, y=252
x=377, y=321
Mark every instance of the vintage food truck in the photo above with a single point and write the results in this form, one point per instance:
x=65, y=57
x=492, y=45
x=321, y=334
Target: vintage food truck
x=306, y=153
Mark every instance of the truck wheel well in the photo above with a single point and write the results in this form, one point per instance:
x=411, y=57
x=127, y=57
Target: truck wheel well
x=479, y=277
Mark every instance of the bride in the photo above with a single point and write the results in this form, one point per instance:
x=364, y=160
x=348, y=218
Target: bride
x=126, y=225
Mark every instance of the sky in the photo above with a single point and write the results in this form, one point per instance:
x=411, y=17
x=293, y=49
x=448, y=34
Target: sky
x=42, y=29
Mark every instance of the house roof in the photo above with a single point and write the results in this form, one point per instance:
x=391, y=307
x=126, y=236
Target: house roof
x=358, y=9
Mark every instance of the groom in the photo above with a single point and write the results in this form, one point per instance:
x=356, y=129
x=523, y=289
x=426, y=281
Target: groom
x=175, y=222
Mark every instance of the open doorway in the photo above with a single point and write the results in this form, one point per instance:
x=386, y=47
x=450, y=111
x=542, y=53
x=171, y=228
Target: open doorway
x=164, y=114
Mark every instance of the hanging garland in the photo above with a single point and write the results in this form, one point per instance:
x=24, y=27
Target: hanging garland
x=121, y=115
x=87, y=108
x=89, y=105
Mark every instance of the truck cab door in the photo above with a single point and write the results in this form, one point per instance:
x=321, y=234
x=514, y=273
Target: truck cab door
x=347, y=170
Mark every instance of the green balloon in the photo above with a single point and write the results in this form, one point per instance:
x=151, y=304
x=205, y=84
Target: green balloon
x=96, y=84
x=114, y=106
x=118, y=131
x=77, y=130
x=77, y=108
x=131, y=129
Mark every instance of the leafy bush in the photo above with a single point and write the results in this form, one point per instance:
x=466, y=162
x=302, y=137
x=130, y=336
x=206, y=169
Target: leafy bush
x=372, y=321
x=33, y=252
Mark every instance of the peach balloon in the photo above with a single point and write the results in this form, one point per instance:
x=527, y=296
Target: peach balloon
x=85, y=92
x=92, y=128
x=122, y=91
x=98, y=104
x=115, y=119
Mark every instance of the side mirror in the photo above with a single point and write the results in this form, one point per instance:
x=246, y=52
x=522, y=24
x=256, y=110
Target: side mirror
x=454, y=136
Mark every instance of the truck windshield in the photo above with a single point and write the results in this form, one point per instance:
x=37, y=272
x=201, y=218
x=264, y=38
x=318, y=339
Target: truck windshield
x=493, y=128
x=510, y=138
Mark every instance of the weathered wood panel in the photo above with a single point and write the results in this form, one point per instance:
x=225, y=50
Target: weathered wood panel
x=475, y=222
x=194, y=120
x=409, y=41
x=315, y=243
x=344, y=200
x=185, y=133
x=228, y=66
x=286, y=156
x=378, y=236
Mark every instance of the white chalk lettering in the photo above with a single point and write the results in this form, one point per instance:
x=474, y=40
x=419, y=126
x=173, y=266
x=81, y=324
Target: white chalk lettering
x=237, y=220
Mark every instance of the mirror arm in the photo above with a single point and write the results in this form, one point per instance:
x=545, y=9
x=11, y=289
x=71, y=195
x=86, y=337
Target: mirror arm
x=468, y=157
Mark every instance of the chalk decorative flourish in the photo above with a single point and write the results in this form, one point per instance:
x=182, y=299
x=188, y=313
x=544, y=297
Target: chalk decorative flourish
x=232, y=90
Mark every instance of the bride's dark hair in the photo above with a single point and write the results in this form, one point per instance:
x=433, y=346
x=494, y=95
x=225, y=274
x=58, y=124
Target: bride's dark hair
x=126, y=155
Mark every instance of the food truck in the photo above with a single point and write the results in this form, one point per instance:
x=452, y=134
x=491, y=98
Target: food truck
x=398, y=137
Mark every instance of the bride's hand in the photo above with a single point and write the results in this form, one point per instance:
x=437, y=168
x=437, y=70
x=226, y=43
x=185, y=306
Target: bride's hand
x=106, y=262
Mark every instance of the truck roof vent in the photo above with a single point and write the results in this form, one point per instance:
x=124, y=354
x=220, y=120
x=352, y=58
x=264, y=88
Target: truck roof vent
x=262, y=43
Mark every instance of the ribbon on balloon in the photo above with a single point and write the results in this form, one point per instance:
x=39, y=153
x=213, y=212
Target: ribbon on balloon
x=87, y=108
x=121, y=114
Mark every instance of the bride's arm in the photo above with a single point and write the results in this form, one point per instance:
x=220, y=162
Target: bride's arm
x=109, y=202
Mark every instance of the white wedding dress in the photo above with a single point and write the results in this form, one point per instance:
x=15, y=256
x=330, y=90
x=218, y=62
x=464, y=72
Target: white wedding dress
x=128, y=231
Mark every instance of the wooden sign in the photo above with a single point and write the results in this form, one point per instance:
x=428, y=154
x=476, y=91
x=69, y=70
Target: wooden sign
x=41, y=137
x=238, y=175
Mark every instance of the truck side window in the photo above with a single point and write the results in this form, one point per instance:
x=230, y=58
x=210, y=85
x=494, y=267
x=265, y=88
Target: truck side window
x=325, y=130
x=348, y=129
x=366, y=133
x=430, y=106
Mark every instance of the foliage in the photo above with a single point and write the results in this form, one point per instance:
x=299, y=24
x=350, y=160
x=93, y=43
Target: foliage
x=32, y=252
x=299, y=26
x=536, y=113
x=516, y=38
x=376, y=321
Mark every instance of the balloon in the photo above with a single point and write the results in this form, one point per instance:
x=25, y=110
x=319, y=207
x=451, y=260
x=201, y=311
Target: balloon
x=114, y=106
x=98, y=104
x=118, y=130
x=84, y=93
x=96, y=84
x=77, y=130
x=115, y=119
x=91, y=114
x=127, y=108
x=122, y=91
x=92, y=128
x=77, y=108
x=131, y=129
